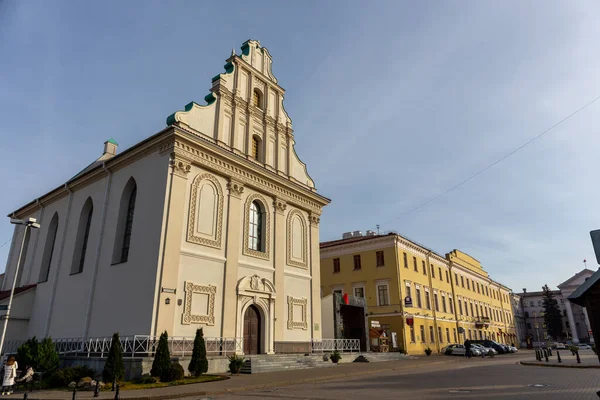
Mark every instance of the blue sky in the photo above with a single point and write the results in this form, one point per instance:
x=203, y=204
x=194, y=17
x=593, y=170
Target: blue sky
x=393, y=102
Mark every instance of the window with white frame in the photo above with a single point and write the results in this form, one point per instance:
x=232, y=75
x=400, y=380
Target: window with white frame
x=359, y=291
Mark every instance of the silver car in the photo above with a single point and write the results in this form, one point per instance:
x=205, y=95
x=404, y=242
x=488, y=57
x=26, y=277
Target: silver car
x=488, y=351
x=459, y=350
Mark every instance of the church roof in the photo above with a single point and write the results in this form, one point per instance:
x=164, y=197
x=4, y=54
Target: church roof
x=575, y=277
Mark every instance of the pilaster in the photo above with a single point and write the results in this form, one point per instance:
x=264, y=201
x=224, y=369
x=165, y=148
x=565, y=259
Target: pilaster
x=165, y=313
x=232, y=254
x=572, y=326
x=315, y=271
x=279, y=207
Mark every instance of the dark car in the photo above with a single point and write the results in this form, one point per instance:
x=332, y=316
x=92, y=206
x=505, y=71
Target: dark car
x=501, y=349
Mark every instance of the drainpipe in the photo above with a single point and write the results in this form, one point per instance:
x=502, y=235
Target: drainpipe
x=402, y=317
x=432, y=301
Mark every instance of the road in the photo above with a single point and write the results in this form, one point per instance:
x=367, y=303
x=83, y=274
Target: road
x=496, y=378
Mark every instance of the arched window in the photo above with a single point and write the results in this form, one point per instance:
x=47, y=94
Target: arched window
x=255, y=147
x=125, y=223
x=257, y=99
x=255, y=227
x=81, y=240
x=49, y=248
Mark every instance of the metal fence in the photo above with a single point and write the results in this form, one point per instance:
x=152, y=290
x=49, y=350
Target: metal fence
x=330, y=345
x=135, y=346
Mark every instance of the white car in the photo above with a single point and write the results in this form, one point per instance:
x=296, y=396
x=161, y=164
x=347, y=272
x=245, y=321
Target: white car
x=459, y=350
x=513, y=349
x=484, y=350
x=584, y=346
x=561, y=346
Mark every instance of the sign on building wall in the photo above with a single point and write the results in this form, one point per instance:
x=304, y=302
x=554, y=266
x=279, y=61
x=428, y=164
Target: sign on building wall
x=375, y=324
x=408, y=301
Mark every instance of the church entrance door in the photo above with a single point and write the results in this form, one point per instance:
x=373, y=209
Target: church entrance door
x=252, y=331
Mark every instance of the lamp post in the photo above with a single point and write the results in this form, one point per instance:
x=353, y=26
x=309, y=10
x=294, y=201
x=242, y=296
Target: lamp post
x=28, y=223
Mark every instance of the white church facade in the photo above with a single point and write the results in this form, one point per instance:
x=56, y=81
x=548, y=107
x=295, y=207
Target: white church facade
x=212, y=222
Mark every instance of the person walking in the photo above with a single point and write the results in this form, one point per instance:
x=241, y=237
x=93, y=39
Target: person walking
x=468, y=348
x=10, y=371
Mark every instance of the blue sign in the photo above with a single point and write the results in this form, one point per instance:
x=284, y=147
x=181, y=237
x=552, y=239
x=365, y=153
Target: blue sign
x=407, y=301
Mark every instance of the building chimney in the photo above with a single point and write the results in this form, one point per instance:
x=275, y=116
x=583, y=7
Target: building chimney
x=110, y=147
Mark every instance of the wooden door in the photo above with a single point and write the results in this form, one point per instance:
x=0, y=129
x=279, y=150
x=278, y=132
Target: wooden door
x=251, y=331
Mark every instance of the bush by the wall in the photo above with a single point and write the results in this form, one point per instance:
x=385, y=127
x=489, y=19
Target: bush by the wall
x=198, y=363
x=42, y=355
x=63, y=376
x=161, y=366
x=114, y=369
x=176, y=372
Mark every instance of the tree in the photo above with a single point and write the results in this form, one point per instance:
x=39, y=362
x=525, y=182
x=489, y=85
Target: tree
x=552, y=315
x=161, y=366
x=47, y=357
x=198, y=363
x=114, y=369
x=28, y=353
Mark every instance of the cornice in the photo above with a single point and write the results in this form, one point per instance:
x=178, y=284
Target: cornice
x=363, y=245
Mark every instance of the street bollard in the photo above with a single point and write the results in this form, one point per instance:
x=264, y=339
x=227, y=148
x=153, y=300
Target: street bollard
x=97, y=388
x=550, y=351
x=558, y=355
x=546, y=355
x=578, y=359
x=113, y=385
x=537, y=355
x=75, y=393
x=117, y=395
x=25, y=396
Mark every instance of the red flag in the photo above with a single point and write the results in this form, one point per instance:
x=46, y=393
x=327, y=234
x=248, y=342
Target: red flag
x=584, y=260
x=345, y=298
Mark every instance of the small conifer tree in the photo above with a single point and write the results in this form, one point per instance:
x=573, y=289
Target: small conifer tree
x=198, y=363
x=161, y=366
x=114, y=369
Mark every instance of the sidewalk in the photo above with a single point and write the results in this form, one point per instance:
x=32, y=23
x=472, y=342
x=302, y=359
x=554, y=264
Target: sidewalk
x=250, y=382
x=587, y=357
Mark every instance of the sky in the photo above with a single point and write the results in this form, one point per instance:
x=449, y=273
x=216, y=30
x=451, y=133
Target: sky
x=392, y=103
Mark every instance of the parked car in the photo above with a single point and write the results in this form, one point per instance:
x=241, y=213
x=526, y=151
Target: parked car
x=459, y=350
x=561, y=346
x=488, y=351
x=501, y=349
x=584, y=346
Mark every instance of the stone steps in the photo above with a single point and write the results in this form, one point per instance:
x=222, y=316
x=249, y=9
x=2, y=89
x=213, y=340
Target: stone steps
x=283, y=362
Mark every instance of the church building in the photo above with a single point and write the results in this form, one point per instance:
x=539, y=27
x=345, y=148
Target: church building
x=211, y=223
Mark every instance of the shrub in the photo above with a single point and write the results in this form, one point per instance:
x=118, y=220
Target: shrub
x=335, y=357
x=176, y=372
x=28, y=353
x=198, y=363
x=147, y=379
x=62, y=377
x=235, y=364
x=161, y=366
x=114, y=369
x=42, y=355
x=47, y=359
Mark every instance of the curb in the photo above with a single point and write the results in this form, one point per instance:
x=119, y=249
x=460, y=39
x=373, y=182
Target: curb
x=255, y=387
x=536, y=364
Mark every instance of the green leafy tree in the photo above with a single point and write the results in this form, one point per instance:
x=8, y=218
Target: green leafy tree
x=198, y=363
x=552, y=315
x=114, y=369
x=28, y=353
x=47, y=357
x=161, y=366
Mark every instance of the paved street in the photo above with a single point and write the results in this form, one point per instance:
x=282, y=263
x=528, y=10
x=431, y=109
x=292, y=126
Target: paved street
x=497, y=378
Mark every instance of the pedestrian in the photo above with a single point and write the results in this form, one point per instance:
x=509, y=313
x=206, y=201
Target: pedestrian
x=10, y=371
x=468, y=348
x=27, y=377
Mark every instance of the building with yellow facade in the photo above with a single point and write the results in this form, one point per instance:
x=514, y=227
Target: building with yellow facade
x=447, y=298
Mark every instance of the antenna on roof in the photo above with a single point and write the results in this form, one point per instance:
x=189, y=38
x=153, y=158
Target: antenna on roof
x=377, y=229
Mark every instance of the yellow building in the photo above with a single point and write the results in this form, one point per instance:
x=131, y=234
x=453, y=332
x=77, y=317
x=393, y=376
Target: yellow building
x=403, y=280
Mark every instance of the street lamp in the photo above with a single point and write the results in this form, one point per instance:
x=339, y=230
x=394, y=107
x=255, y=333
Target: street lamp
x=28, y=223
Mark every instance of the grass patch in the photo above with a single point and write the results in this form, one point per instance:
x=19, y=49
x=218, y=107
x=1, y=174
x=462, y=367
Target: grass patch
x=184, y=381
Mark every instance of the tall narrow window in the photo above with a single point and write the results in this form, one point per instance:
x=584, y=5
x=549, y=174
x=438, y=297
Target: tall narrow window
x=448, y=335
x=412, y=334
x=451, y=304
x=255, y=147
x=427, y=301
x=440, y=274
x=49, y=248
x=336, y=265
x=415, y=263
x=447, y=277
x=444, y=303
x=357, y=264
x=418, y=296
x=255, y=230
x=422, y=334
x=380, y=260
x=432, y=270
x=424, y=268
x=125, y=223
x=405, y=261
x=81, y=240
x=382, y=295
x=257, y=99
x=456, y=278
x=431, y=335
x=440, y=338
x=436, y=302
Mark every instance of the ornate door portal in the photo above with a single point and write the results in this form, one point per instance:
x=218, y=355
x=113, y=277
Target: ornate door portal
x=252, y=331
